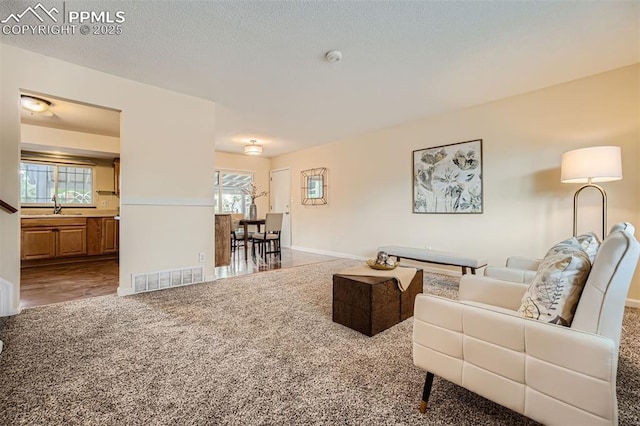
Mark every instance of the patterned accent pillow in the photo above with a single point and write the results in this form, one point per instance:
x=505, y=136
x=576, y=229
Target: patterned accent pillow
x=590, y=243
x=556, y=288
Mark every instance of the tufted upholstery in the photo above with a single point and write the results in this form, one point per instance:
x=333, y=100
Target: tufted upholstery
x=553, y=374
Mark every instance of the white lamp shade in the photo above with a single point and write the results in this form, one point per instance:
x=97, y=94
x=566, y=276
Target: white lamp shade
x=253, y=149
x=598, y=164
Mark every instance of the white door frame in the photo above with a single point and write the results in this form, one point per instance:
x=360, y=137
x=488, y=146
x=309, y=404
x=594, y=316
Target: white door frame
x=281, y=196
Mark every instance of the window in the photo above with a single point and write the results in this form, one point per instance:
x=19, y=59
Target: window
x=72, y=184
x=228, y=195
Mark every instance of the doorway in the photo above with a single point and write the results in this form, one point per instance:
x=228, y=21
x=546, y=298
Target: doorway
x=280, y=201
x=69, y=199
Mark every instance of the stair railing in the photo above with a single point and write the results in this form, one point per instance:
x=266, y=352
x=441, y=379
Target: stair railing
x=7, y=207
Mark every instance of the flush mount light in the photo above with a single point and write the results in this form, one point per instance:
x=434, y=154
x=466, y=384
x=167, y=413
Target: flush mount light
x=253, y=149
x=34, y=104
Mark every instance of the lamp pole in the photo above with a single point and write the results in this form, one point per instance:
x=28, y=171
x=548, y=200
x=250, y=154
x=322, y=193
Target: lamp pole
x=604, y=207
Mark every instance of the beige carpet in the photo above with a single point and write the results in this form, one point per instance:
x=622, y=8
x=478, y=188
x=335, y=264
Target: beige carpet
x=251, y=350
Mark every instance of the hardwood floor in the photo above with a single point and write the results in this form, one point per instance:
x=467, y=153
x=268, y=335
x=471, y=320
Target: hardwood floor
x=43, y=285
x=289, y=258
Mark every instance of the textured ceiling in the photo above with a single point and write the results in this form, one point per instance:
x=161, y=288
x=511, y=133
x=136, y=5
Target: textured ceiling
x=262, y=61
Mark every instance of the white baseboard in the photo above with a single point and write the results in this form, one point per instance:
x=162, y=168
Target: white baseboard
x=125, y=291
x=633, y=303
x=11, y=312
x=7, y=293
x=328, y=253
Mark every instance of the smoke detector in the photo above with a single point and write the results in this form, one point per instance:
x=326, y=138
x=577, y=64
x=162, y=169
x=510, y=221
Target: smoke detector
x=333, y=56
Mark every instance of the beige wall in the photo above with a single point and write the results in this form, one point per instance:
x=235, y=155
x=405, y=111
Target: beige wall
x=258, y=165
x=78, y=141
x=165, y=193
x=526, y=208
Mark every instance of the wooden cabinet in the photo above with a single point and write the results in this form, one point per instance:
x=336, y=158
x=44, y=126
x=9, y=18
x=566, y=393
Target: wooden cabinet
x=102, y=235
x=94, y=236
x=109, y=243
x=223, y=239
x=38, y=243
x=71, y=241
x=57, y=237
x=67, y=238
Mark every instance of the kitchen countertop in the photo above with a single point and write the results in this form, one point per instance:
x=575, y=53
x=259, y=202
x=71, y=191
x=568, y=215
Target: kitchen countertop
x=63, y=215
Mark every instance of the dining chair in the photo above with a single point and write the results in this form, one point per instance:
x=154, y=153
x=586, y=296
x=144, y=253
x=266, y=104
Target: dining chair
x=270, y=236
x=237, y=232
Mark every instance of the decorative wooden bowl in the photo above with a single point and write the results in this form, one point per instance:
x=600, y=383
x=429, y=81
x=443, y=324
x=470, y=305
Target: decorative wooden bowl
x=373, y=265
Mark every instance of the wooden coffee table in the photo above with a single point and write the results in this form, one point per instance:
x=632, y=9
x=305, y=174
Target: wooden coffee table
x=372, y=304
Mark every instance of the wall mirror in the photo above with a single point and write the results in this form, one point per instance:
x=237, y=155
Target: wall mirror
x=314, y=186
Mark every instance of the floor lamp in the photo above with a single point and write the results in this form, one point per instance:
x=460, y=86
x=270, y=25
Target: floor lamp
x=590, y=165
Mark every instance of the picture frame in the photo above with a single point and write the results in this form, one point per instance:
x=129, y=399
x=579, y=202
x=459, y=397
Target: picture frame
x=448, y=179
x=314, y=186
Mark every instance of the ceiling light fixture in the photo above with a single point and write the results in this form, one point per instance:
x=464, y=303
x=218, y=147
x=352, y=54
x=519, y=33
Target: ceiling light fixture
x=253, y=149
x=34, y=104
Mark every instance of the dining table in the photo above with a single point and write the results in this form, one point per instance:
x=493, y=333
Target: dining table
x=245, y=223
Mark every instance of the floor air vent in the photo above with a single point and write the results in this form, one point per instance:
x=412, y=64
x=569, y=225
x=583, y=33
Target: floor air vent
x=165, y=279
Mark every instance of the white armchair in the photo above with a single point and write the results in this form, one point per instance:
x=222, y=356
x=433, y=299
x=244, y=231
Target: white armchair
x=553, y=374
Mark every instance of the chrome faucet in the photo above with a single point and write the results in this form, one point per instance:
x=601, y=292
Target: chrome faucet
x=57, y=208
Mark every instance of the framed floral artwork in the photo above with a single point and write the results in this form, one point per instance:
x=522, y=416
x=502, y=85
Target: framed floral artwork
x=448, y=178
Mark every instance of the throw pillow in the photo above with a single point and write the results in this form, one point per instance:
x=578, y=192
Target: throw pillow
x=556, y=288
x=590, y=244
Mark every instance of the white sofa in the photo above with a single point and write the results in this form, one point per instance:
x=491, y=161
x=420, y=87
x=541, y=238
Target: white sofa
x=553, y=374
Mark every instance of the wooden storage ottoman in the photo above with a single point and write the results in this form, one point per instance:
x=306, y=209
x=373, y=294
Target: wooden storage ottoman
x=372, y=304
